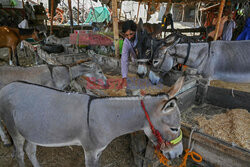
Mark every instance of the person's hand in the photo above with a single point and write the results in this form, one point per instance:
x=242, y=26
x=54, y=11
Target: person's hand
x=123, y=84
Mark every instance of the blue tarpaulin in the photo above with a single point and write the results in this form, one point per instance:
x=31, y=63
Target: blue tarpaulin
x=245, y=34
x=101, y=14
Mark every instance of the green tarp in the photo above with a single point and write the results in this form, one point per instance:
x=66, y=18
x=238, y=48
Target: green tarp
x=13, y=2
x=101, y=14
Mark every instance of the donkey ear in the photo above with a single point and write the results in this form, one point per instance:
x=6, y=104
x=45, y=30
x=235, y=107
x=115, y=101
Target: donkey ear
x=140, y=25
x=176, y=87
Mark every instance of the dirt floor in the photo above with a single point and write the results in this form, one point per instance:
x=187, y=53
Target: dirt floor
x=117, y=154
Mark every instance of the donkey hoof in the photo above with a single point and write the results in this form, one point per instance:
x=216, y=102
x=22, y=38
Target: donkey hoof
x=7, y=145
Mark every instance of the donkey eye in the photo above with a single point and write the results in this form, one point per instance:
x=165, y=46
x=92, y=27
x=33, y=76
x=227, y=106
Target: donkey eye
x=156, y=62
x=174, y=129
x=171, y=104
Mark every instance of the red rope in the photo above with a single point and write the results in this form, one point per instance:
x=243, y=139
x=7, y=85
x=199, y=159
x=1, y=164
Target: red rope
x=155, y=132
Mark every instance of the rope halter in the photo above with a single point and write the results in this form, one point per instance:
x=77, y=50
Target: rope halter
x=161, y=143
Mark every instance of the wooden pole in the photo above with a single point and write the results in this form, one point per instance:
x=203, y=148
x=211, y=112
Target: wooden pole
x=77, y=12
x=23, y=4
x=51, y=16
x=120, y=11
x=169, y=6
x=115, y=27
x=148, y=11
x=197, y=11
x=195, y=15
x=183, y=12
x=23, y=8
x=70, y=15
x=222, y=4
x=138, y=10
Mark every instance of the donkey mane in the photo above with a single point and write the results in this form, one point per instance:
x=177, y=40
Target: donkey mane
x=96, y=97
x=132, y=97
x=25, y=82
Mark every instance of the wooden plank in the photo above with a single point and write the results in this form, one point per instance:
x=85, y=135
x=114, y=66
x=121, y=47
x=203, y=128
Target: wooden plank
x=216, y=151
x=186, y=99
x=227, y=98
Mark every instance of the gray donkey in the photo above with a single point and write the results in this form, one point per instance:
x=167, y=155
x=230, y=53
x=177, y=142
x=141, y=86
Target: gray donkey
x=53, y=118
x=220, y=60
x=57, y=77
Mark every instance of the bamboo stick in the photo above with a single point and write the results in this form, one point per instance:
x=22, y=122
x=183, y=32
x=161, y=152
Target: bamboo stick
x=51, y=16
x=169, y=6
x=70, y=15
x=77, y=12
x=222, y=4
x=183, y=12
x=115, y=27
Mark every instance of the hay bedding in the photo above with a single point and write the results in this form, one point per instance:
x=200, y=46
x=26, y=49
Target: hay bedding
x=228, y=125
x=137, y=82
x=232, y=126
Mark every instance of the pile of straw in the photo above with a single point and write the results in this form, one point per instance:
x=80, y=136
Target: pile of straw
x=232, y=126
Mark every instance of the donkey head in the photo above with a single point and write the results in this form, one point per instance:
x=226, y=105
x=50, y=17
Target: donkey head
x=163, y=61
x=94, y=73
x=166, y=119
x=52, y=40
x=145, y=48
x=164, y=58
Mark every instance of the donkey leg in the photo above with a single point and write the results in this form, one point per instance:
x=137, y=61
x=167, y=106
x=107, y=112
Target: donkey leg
x=19, y=142
x=10, y=57
x=92, y=157
x=30, y=150
x=4, y=136
x=15, y=53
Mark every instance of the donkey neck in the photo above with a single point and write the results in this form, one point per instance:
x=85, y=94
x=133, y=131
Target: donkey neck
x=77, y=71
x=197, y=53
x=124, y=115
